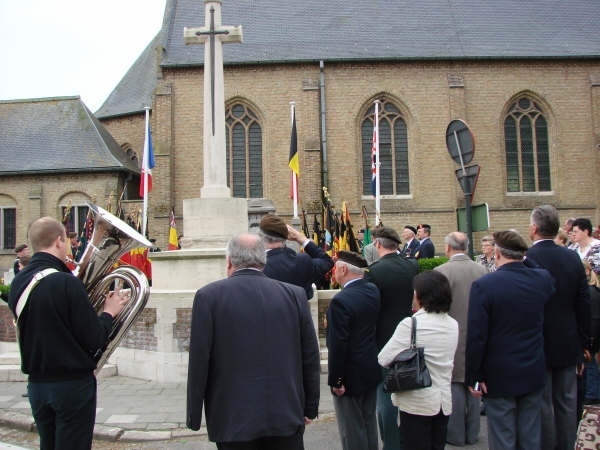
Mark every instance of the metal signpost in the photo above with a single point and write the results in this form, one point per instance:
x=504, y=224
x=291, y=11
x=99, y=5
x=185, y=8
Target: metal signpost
x=461, y=146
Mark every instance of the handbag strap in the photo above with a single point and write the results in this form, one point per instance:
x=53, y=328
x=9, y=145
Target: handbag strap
x=413, y=333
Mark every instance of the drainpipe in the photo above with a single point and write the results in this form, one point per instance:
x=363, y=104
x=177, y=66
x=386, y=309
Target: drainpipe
x=324, y=178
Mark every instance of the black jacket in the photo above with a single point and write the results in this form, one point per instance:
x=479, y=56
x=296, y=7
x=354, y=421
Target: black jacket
x=393, y=275
x=352, y=350
x=302, y=269
x=566, y=319
x=59, y=331
x=254, y=359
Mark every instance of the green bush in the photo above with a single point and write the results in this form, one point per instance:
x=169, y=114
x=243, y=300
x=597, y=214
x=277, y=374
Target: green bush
x=431, y=263
x=4, y=290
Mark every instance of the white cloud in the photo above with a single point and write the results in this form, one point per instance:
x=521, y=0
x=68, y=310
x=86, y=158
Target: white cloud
x=55, y=48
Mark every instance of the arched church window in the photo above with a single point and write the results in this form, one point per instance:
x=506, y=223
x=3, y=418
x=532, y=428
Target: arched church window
x=244, y=151
x=393, y=150
x=526, y=146
x=8, y=223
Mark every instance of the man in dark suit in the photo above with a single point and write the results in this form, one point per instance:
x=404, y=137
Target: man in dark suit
x=505, y=339
x=353, y=368
x=411, y=243
x=254, y=358
x=393, y=275
x=565, y=328
x=284, y=264
x=426, y=247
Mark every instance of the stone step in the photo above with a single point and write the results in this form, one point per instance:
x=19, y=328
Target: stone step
x=10, y=368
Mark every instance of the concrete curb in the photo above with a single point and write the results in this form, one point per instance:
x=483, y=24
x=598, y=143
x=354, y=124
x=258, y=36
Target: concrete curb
x=106, y=433
x=103, y=432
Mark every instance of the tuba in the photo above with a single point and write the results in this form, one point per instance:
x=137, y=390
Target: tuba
x=111, y=239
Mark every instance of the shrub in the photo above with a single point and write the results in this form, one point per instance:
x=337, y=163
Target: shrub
x=431, y=263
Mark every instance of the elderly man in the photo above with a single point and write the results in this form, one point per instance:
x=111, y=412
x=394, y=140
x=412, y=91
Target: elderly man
x=353, y=368
x=566, y=327
x=284, y=264
x=254, y=358
x=461, y=271
x=505, y=351
x=411, y=244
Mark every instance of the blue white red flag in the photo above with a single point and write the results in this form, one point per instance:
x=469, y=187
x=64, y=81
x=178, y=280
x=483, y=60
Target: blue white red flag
x=147, y=162
x=374, y=163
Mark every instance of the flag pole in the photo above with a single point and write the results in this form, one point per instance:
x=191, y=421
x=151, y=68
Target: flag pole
x=377, y=168
x=145, y=173
x=294, y=178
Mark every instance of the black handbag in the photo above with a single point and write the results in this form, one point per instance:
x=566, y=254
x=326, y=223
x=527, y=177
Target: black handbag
x=408, y=370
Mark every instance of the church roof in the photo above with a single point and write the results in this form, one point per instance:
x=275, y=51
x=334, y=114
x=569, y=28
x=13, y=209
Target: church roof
x=284, y=31
x=134, y=91
x=342, y=30
x=56, y=135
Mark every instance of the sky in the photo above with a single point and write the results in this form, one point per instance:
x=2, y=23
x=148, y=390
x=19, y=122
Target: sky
x=56, y=48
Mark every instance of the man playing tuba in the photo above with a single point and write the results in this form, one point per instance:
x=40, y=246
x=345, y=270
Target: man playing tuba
x=59, y=335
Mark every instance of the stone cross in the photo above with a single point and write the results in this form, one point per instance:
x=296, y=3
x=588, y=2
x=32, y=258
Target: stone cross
x=213, y=35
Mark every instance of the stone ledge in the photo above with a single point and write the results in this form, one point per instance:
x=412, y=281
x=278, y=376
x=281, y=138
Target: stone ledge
x=17, y=420
x=138, y=435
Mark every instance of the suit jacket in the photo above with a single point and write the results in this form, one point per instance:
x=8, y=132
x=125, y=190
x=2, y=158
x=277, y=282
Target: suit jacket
x=461, y=271
x=426, y=249
x=393, y=275
x=254, y=358
x=411, y=250
x=370, y=253
x=352, y=352
x=566, y=325
x=505, y=340
x=302, y=269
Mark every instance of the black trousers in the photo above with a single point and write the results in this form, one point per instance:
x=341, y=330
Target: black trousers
x=293, y=442
x=423, y=432
x=64, y=412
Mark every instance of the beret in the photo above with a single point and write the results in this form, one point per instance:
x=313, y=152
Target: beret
x=352, y=258
x=274, y=226
x=411, y=228
x=510, y=240
x=387, y=233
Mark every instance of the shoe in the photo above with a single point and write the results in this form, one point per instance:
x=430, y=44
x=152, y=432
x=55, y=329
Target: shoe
x=25, y=395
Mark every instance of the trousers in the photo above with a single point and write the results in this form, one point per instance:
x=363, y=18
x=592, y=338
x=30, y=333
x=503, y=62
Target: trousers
x=64, y=412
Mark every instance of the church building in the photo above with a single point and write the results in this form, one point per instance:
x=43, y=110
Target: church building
x=524, y=76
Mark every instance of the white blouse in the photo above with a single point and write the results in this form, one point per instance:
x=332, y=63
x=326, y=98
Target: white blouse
x=438, y=333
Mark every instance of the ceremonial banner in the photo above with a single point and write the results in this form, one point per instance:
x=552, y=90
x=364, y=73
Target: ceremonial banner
x=173, y=241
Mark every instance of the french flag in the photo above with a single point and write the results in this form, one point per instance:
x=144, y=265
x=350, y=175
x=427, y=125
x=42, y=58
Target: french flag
x=147, y=161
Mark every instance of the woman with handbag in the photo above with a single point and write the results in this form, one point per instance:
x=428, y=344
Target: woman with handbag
x=424, y=412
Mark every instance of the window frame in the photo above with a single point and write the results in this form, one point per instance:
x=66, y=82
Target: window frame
x=526, y=140
x=244, y=150
x=393, y=135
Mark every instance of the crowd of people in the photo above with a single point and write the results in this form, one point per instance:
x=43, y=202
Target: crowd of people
x=518, y=326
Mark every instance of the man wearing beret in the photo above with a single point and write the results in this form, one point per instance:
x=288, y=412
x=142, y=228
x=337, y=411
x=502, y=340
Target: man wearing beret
x=284, y=264
x=411, y=245
x=352, y=353
x=566, y=328
x=505, y=345
x=393, y=275
x=426, y=247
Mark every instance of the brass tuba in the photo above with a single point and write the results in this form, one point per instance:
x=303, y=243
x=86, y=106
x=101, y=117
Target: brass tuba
x=111, y=239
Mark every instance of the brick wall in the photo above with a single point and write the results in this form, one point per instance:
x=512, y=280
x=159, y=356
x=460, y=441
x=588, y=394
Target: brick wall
x=182, y=328
x=429, y=95
x=142, y=334
x=7, y=327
